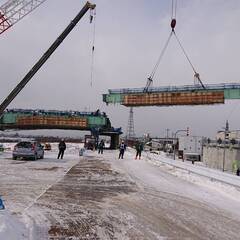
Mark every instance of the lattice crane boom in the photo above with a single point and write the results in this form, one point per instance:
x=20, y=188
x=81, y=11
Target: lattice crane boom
x=45, y=56
x=13, y=11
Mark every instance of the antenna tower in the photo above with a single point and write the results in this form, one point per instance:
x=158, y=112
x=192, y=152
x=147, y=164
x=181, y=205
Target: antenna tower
x=130, y=127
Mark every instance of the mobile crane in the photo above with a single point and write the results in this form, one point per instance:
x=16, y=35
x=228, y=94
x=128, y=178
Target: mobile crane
x=45, y=56
x=13, y=11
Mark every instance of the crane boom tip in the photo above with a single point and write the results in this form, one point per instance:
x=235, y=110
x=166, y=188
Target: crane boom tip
x=91, y=5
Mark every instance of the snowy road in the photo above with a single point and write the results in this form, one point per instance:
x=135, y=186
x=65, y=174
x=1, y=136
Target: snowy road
x=101, y=197
x=180, y=209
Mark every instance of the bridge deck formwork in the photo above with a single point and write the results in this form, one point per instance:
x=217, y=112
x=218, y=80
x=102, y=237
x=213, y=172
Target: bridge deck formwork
x=170, y=96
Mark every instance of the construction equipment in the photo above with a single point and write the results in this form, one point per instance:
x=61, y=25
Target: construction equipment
x=190, y=147
x=90, y=142
x=14, y=10
x=45, y=57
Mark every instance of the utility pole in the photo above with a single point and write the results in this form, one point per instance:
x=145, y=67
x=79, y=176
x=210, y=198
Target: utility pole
x=226, y=137
x=167, y=131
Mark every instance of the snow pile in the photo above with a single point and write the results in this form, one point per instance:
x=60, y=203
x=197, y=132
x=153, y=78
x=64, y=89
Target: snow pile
x=213, y=174
x=10, y=227
x=222, y=182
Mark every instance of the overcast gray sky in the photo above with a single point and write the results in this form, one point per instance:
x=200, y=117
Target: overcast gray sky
x=129, y=38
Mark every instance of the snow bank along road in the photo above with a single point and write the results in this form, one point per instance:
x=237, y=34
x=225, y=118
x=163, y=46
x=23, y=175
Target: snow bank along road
x=101, y=197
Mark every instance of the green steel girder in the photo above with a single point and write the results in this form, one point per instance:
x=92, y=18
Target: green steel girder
x=232, y=93
x=94, y=119
x=113, y=98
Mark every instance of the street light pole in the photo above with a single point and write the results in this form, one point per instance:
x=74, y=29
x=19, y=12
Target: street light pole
x=167, y=131
x=226, y=136
x=224, y=154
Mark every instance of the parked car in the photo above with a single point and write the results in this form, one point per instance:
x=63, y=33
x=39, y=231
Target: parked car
x=148, y=146
x=27, y=149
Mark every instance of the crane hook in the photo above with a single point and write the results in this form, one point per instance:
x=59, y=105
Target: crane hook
x=173, y=23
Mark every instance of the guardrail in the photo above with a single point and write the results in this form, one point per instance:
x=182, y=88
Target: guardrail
x=221, y=86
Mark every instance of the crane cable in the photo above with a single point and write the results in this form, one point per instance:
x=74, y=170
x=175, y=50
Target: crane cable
x=173, y=24
x=196, y=74
x=160, y=57
x=174, y=9
x=92, y=20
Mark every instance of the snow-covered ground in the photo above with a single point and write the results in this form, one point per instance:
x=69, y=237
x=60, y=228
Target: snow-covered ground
x=193, y=169
x=33, y=179
x=209, y=179
x=154, y=192
x=10, y=227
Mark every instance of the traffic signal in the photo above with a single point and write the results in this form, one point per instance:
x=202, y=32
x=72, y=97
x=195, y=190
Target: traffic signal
x=187, y=131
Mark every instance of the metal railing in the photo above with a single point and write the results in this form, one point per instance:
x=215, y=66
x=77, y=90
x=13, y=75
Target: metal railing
x=221, y=86
x=55, y=112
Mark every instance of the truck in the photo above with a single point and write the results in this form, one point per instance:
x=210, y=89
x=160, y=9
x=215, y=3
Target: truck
x=153, y=146
x=190, y=148
x=90, y=142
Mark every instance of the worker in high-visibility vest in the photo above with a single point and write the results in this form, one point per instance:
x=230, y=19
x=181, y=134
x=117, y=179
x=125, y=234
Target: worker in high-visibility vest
x=1, y=204
x=122, y=148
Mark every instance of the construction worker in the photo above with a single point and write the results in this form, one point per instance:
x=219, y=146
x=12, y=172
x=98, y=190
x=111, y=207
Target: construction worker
x=238, y=171
x=1, y=204
x=61, y=148
x=101, y=145
x=122, y=149
x=139, y=148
